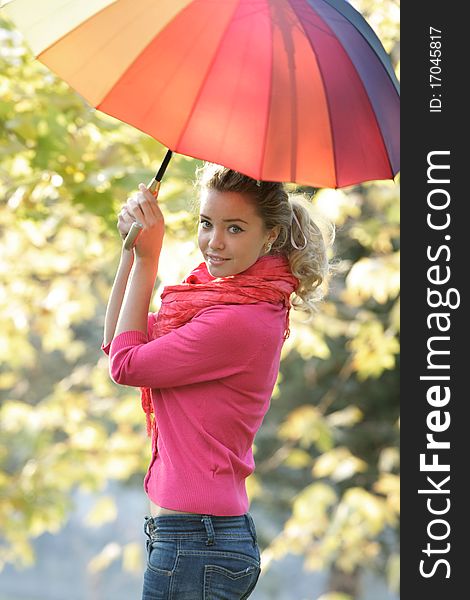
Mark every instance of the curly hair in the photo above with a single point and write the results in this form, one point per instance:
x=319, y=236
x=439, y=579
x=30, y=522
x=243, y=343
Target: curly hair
x=300, y=239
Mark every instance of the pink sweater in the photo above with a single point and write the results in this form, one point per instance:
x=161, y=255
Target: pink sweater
x=211, y=381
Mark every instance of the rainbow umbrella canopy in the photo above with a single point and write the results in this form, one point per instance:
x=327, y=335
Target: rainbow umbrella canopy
x=281, y=90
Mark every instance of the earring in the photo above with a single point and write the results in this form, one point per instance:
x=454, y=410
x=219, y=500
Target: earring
x=268, y=247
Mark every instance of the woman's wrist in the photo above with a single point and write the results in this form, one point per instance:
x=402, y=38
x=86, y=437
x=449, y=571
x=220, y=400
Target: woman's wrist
x=147, y=262
x=151, y=258
x=127, y=256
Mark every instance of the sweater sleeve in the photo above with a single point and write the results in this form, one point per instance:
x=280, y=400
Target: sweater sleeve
x=218, y=342
x=150, y=322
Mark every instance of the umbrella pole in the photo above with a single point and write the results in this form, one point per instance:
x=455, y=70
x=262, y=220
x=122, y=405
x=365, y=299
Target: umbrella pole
x=153, y=187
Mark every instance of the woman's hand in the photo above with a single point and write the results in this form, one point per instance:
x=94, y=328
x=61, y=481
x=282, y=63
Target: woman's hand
x=143, y=208
x=125, y=221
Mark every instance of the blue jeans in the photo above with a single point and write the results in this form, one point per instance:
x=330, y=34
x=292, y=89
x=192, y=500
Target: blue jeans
x=200, y=557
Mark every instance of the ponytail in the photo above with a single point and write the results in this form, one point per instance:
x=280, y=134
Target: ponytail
x=306, y=251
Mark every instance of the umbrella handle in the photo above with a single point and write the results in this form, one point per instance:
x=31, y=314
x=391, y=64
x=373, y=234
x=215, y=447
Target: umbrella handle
x=153, y=187
x=136, y=227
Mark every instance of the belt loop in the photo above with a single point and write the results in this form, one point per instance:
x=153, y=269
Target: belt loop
x=209, y=529
x=149, y=526
x=251, y=526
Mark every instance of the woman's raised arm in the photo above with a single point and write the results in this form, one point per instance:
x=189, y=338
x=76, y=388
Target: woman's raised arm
x=133, y=315
x=116, y=297
x=138, y=290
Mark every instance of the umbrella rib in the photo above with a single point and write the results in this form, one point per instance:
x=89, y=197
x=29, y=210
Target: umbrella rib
x=379, y=129
x=380, y=56
x=359, y=25
x=67, y=33
x=268, y=112
x=128, y=68
x=206, y=75
x=325, y=93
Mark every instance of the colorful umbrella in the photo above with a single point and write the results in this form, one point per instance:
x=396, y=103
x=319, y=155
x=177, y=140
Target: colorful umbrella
x=281, y=90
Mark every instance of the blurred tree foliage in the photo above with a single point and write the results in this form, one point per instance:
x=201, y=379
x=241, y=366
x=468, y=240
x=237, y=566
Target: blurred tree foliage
x=327, y=454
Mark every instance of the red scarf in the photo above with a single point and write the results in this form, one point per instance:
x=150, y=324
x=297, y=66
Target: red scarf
x=269, y=279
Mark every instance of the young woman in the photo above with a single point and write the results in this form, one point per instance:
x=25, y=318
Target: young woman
x=207, y=363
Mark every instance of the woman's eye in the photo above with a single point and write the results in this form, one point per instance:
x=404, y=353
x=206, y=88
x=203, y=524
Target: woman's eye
x=204, y=224
x=236, y=228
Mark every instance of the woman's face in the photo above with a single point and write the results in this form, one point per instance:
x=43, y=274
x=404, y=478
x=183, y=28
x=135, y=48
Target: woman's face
x=231, y=235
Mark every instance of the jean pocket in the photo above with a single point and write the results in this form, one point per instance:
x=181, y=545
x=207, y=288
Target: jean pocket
x=161, y=556
x=233, y=579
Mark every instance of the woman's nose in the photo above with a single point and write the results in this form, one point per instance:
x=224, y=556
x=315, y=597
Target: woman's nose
x=216, y=240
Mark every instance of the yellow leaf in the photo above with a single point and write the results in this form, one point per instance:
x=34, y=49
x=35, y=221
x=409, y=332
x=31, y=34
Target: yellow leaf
x=373, y=349
x=389, y=485
x=88, y=437
x=15, y=416
x=16, y=351
x=306, y=341
x=104, y=511
x=377, y=278
x=101, y=561
x=336, y=205
x=345, y=418
x=389, y=459
x=393, y=572
x=366, y=510
x=307, y=426
x=312, y=503
x=339, y=464
x=132, y=558
x=298, y=459
x=254, y=488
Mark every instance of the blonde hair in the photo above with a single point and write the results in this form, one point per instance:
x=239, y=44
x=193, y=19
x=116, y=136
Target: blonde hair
x=300, y=239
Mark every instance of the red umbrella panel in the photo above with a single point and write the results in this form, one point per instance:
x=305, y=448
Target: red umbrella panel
x=282, y=90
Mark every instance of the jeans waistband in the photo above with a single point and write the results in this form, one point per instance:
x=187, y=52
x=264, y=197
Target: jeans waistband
x=209, y=525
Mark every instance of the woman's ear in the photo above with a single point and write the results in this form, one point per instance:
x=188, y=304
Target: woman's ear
x=274, y=233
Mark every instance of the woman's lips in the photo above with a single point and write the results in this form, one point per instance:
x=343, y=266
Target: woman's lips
x=216, y=260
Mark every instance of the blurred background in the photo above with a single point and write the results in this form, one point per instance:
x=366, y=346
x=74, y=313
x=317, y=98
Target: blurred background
x=73, y=447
